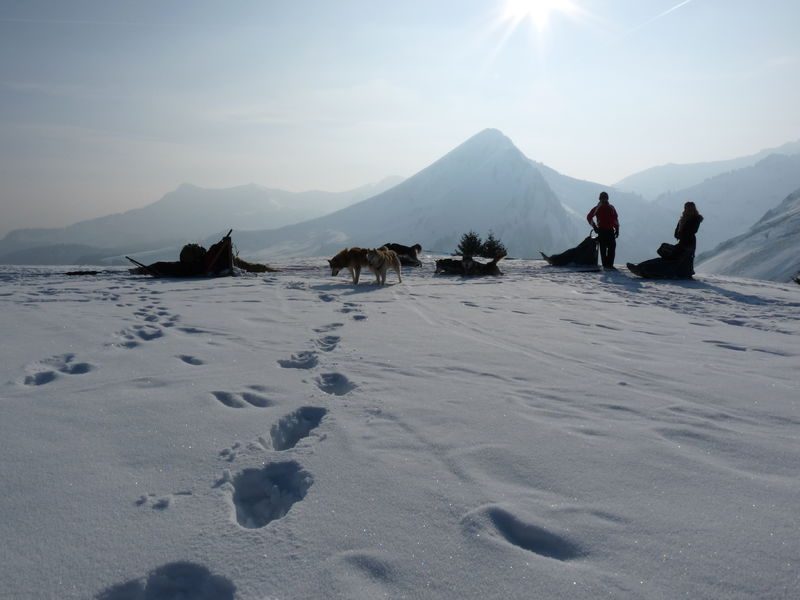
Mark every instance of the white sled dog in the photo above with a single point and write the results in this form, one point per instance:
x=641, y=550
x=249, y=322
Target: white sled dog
x=379, y=260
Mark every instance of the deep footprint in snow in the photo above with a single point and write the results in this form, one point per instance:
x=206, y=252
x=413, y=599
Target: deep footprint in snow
x=40, y=378
x=335, y=384
x=295, y=426
x=329, y=327
x=261, y=496
x=48, y=369
x=495, y=522
x=353, y=307
x=131, y=338
x=328, y=342
x=301, y=360
x=242, y=399
x=190, y=360
x=173, y=581
x=147, y=332
x=127, y=340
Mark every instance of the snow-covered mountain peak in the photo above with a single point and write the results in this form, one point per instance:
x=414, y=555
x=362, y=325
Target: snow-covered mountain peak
x=483, y=184
x=483, y=145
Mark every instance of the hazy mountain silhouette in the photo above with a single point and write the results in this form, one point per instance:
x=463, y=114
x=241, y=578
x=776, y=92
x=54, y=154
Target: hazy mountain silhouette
x=663, y=179
x=769, y=250
x=733, y=202
x=484, y=184
x=187, y=214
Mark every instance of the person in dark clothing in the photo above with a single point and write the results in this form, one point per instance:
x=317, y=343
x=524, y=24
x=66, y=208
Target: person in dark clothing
x=606, y=228
x=686, y=229
x=675, y=261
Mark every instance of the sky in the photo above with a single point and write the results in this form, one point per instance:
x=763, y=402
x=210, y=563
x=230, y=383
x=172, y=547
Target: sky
x=106, y=106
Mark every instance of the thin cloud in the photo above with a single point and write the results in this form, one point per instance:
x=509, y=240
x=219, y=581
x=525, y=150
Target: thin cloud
x=660, y=16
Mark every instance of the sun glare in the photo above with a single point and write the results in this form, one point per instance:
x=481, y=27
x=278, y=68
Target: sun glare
x=538, y=12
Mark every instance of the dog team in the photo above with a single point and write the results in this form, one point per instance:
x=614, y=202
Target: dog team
x=392, y=256
x=377, y=260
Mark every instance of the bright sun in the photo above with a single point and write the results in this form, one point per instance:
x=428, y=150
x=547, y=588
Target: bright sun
x=537, y=11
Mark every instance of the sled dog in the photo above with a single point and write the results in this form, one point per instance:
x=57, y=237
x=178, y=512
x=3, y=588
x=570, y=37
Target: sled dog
x=468, y=267
x=380, y=260
x=475, y=268
x=351, y=259
x=408, y=255
x=450, y=266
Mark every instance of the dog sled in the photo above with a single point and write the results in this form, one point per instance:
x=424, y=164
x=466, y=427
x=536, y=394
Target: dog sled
x=196, y=261
x=673, y=262
x=582, y=255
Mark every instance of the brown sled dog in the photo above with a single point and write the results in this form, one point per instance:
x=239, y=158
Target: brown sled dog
x=351, y=259
x=380, y=260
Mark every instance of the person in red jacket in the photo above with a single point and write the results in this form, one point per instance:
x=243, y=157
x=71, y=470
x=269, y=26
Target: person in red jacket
x=606, y=228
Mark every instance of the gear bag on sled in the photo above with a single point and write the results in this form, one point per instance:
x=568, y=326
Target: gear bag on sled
x=584, y=254
x=674, y=262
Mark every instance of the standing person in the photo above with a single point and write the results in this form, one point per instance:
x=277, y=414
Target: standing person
x=685, y=231
x=675, y=261
x=607, y=229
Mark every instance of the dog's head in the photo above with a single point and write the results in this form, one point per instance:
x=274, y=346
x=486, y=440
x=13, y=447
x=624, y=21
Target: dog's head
x=338, y=262
x=416, y=248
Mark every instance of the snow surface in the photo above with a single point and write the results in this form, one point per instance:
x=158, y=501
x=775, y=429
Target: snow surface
x=545, y=434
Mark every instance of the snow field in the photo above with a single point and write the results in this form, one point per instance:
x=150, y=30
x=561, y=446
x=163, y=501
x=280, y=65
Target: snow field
x=546, y=434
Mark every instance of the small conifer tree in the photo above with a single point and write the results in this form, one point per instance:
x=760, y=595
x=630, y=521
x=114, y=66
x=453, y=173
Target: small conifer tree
x=470, y=244
x=492, y=247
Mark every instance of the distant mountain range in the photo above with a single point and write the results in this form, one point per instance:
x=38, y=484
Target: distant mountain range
x=485, y=184
x=732, y=202
x=187, y=214
x=671, y=178
x=488, y=184
x=769, y=250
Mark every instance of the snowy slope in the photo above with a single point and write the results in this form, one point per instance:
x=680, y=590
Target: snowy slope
x=769, y=250
x=484, y=184
x=663, y=179
x=733, y=202
x=546, y=434
x=187, y=214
